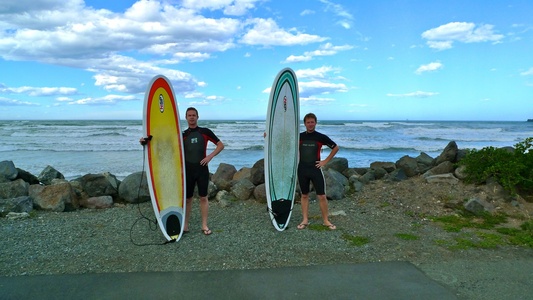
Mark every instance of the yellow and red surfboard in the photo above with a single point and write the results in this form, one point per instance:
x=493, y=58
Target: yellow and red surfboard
x=165, y=157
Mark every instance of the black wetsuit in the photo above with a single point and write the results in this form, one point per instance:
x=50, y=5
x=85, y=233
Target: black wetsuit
x=195, y=146
x=310, y=146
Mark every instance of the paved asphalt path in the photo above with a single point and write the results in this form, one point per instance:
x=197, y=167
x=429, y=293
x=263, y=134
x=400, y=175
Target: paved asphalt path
x=384, y=280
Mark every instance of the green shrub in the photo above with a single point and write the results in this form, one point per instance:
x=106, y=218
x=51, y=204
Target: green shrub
x=513, y=170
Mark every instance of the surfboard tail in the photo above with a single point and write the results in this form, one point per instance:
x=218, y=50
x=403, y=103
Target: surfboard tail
x=281, y=210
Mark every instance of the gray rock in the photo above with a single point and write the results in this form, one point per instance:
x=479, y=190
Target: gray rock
x=397, y=175
x=223, y=176
x=16, y=216
x=339, y=164
x=13, y=189
x=460, y=172
x=212, y=190
x=224, y=198
x=442, y=178
x=425, y=162
x=242, y=173
x=478, y=206
x=335, y=184
x=260, y=193
x=243, y=189
x=16, y=205
x=58, y=197
x=368, y=176
x=409, y=165
x=387, y=166
x=27, y=176
x=356, y=185
x=461, y=153
x=350, y=172
x=8, y=170
x=98, y=202
x=443, y=168
x=48, y=174
x=425, y=159
x=379, y=172
x=96, y=185
x=257, y=173
x=448, y=154
x=134, y=188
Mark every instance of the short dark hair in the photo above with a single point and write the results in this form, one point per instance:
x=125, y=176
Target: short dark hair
x=310, y=116
x=191, y=108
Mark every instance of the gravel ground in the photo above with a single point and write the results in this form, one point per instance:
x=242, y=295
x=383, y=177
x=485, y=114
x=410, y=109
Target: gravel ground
x=120, y=240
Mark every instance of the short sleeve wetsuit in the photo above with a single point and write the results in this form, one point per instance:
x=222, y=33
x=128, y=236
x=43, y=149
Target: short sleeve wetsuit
x=310, y=146
x=195, y=146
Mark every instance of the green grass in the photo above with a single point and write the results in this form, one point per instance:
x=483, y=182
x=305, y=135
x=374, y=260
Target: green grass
x=384, y=204
x=355, y=240
x=455, y=223
x=492, y=236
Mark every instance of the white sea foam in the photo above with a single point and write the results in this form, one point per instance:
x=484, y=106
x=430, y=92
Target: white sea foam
x=79, y=147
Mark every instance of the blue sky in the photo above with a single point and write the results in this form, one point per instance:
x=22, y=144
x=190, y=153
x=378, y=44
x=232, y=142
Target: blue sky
x=355, y=60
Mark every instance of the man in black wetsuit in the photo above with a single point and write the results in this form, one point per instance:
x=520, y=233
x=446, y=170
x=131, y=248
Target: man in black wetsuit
x=195, y=140
x=310, y=169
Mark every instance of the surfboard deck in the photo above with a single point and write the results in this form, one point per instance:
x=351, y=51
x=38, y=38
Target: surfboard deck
x=281, y=147
x=165, y=157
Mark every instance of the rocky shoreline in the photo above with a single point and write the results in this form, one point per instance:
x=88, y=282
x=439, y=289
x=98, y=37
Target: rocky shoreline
x=21, y=192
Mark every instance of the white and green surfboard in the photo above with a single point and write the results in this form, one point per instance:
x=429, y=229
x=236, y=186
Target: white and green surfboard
x=281, y=147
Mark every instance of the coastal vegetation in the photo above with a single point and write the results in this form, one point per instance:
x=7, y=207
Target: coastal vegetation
x=513, y=169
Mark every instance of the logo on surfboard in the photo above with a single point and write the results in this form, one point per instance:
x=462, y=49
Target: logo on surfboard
x=285, y=103
x=161, y=103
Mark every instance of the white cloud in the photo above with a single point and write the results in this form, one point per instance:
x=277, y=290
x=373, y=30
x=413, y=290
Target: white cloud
x=38, y=91
x=14, y=102
x=108, y=99
x=528, y=72
x=298, y=58
x=267, y=33
x=444, y=36
x=306, y=12
x=74, y=35
x=229, y=7
x=312, y=100
x=317, y=87
x=327, y=49
x=315, y=74
x=345, y=17
x=312, y=82
x=433, y=66
x=417, y=94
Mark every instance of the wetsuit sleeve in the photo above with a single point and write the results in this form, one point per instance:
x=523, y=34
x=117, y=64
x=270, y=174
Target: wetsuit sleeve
x=210, y=135
x=328, y=142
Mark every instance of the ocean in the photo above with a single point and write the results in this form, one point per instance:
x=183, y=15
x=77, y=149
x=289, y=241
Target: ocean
x=80, y=147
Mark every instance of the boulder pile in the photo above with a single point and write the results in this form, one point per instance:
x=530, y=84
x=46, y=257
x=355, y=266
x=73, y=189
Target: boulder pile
x=21, y=192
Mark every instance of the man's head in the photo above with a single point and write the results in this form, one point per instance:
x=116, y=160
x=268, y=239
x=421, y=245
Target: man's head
x=310, y=116
x=191, y=115
x=310, y=122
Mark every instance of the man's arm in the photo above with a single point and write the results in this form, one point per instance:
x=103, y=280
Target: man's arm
x=208, y=158
x=330, y=156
